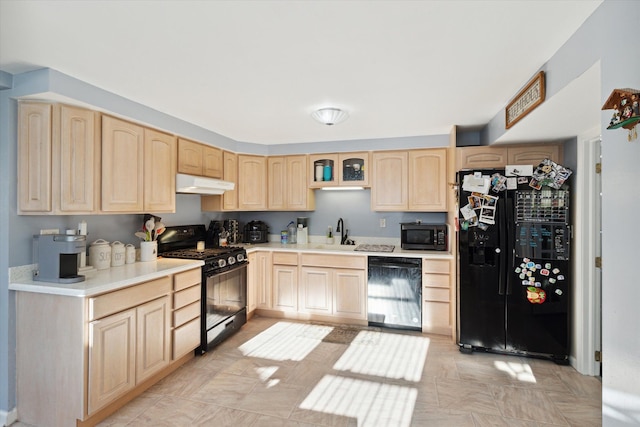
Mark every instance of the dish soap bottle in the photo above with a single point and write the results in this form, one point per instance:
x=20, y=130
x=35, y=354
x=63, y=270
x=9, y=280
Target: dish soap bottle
x=329, y=236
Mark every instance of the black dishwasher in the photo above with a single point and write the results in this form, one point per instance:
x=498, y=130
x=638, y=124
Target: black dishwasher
x=394, y=292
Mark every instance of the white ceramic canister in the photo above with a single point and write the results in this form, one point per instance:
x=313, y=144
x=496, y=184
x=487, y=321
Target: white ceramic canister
x=117, y=254
x=100, y=254
x=130, y=254
x=148, y=251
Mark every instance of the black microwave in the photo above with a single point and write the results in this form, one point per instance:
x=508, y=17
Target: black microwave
x=423, y=237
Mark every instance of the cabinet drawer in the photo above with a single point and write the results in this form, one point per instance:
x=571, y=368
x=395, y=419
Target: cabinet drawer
x=285, y=258
x=435, y=294
x=436, y=280
x=186, y=313
x=186, y=338
x=435, y=266
x=186, y=296
x=186, y=278
x=132, y=296
x=335, y=261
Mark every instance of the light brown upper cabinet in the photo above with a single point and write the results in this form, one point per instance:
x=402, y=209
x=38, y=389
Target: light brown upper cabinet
x=428, y=180
x=413, y=180
x=229, y=200
x=287, y=180
x=199, y=159
x=252, y=182
x=132, y=155
x=389, y=189
x=58, y=159
x=484, y=157
x=230, y=197
x=159, y=171
x=339, y=169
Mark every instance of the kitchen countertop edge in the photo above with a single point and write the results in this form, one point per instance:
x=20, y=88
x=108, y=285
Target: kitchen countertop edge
x=313, y=248
x=114, y=278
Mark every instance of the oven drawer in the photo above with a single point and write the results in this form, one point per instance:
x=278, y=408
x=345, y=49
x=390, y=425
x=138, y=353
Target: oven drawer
x=184, y=314
x=186, y=338
x=186, y=296
x=186, y=278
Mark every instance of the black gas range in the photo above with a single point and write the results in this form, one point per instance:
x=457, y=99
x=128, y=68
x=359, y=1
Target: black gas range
x=224, y=280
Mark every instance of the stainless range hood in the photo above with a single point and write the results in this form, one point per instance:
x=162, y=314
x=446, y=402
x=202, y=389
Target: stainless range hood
x=201, y=185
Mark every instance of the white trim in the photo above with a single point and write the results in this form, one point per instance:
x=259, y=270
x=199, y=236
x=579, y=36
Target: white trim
x=586, y=303
x=8, y=418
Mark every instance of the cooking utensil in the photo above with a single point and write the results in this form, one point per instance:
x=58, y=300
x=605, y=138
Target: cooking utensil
x=141, y=234
x=148, y=226
x=158, y=226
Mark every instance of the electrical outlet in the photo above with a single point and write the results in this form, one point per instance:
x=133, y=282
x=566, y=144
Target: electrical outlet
x=383, y=222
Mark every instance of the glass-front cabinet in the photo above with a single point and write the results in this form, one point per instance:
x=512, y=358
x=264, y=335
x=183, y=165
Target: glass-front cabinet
x=339, y=169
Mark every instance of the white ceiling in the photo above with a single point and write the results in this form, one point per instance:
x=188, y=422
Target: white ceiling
x=255, y=70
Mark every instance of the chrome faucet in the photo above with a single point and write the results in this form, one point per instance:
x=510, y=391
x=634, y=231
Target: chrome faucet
x=340, y=228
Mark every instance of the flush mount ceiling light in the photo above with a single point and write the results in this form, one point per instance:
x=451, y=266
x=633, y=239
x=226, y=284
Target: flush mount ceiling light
x=330, y=116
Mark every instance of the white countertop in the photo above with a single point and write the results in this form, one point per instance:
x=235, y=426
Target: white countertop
x=344, y=250
x=101, y=281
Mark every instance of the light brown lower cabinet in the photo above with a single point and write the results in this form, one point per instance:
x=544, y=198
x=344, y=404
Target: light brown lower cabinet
x=81, y=359
x=285, y=281
x=437, y=313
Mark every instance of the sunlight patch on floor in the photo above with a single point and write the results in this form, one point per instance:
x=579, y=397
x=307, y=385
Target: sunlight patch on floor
x=285, y=341
x=519, y=371
x=371, y=403
x=385, y=355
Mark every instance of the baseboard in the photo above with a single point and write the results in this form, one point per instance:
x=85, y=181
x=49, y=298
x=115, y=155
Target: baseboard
x=8, y=418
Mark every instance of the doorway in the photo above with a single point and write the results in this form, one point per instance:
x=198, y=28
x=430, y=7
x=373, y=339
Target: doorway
x=587, y=317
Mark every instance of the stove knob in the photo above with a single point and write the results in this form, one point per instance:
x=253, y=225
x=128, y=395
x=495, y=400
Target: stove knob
x=231, y=260
x=221, y=263
x=240, y=257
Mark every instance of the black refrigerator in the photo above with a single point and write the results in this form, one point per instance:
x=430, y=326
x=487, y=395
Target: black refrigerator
x=514, y=282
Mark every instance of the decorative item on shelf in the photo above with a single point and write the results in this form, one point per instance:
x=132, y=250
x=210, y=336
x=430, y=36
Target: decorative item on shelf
x=626, y=113
x=525, y=101
x=327, y=173
x=330, y=116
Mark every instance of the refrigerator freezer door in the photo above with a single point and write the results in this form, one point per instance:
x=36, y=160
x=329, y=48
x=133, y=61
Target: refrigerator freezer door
x=537, y=309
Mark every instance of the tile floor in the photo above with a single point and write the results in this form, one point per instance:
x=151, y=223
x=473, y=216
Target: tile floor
x=277, y=372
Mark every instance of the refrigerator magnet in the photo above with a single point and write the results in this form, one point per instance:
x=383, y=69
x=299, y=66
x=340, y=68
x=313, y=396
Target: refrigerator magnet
x=536, y=295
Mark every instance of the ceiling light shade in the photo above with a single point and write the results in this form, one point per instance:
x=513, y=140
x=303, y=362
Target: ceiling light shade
x=330, y=116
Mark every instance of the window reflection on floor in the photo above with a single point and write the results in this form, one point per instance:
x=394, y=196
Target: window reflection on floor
x=372, y=353
x=285, y=341
x=370, y=402
x=518, y=371
x=386, y=355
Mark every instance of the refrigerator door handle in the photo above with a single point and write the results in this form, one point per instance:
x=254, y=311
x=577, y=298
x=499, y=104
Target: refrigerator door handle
x=502, y=244
x=511, y=232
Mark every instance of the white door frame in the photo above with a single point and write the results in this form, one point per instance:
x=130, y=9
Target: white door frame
x=587, y=315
